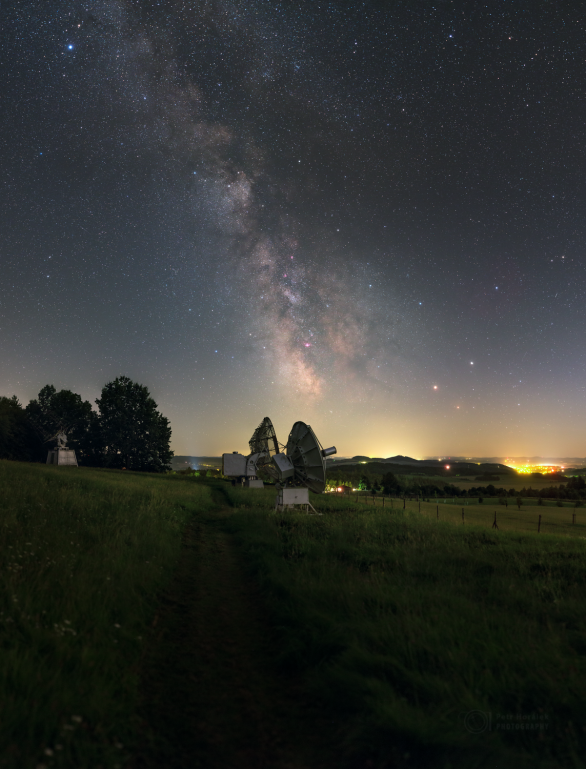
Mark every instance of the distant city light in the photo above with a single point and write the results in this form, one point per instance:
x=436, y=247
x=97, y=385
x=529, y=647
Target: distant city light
x=447, y=467
x=544, y=469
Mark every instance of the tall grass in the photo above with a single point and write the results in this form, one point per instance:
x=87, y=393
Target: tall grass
x=83, y=556
x=448, y=645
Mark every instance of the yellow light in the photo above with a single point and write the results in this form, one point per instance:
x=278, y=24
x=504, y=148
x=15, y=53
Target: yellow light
x=528, y=469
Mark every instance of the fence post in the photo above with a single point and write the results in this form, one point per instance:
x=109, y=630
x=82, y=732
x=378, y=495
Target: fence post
x=437, y=512
x=539, y=525
x=462, y=515
x=419, y=505
x=494, y=523
x=573, y=517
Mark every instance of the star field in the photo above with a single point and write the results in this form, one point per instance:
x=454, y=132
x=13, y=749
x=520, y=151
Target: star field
x=368, y=216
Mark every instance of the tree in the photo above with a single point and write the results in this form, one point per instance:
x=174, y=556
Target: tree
x=65, y=411
x=135, y=435
x=389, y=483
x=18, y=438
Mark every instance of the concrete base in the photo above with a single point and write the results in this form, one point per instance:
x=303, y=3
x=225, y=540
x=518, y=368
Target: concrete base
x=62, y=457
x=256, y=484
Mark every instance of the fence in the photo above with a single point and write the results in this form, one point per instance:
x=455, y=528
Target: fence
x=558, y=521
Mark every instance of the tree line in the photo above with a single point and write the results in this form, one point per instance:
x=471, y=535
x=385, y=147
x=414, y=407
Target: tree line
x=126, y=432
x=399, y=486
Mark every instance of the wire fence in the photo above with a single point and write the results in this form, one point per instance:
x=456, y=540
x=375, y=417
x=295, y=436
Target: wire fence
x=553, y=520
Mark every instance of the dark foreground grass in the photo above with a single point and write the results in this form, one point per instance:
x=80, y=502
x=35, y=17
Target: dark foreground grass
x=83, y=556
x=437, y=645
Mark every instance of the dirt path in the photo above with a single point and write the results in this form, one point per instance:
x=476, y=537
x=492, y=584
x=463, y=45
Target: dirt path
x=210, y=696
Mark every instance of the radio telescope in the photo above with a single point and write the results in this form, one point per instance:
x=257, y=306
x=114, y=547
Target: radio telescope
x=297, y=470
x=263, y=446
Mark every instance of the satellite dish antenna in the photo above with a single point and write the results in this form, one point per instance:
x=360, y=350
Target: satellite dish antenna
x=263, y=446
x=264, y=438
x=301, y=469
x=308, y=457
x=304, y=465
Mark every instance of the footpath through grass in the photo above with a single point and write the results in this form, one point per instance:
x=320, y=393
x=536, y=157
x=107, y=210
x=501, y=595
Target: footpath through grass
x=83, y=556
x=436, y=644
x=146, y=623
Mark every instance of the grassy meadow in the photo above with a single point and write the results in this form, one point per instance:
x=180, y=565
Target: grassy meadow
x=83, y=556
x=437, y=644
x=424, y=642
x=566, y=520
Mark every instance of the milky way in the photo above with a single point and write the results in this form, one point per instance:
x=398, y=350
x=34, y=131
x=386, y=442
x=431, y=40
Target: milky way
x=317, y=212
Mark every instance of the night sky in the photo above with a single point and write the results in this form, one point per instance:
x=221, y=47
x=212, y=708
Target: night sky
x=367, y=216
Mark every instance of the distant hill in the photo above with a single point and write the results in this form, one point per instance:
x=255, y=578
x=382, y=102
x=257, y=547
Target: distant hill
x=401, y=460
x=422, y=467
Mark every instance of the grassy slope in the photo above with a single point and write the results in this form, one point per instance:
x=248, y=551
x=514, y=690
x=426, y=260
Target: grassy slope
x=399, y=625
x=83, y=555
x=554, y=520
x=404, y=626
x=211, y=696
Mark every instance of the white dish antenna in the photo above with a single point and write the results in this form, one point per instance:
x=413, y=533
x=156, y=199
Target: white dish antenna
x=302, y=464
x=307, y=457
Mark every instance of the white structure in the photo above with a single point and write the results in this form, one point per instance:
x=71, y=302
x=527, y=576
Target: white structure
x=289, y=498
x=299, y=469
x=241, y=468
x=62, y=456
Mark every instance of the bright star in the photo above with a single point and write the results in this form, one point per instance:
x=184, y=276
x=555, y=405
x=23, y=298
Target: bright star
x=70, y=47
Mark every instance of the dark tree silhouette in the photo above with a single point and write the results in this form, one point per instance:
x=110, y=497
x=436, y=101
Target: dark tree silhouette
x=134, y=434
x=18, y=438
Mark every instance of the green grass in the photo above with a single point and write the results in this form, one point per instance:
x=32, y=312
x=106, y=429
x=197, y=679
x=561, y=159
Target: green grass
x=554, y=520
x=83, y=556
x=403, y=627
